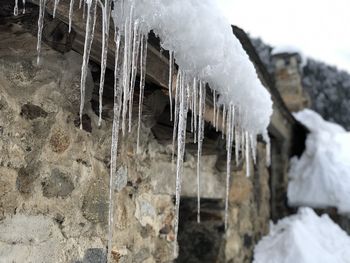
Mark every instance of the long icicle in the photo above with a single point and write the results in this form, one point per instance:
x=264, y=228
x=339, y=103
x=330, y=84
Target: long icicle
x=24, y=6
x=114, y=147
x=71, y=6
x=229, y=132
x=106, y=16
x=247, y=159
x=214, y=106
x=127, y=65
x=134, y=63
x=143, y=60
x=89, y=36
x=195, y=104
x=178, y=80
x=200, y=143
x=223, y=121
x=15, y=10
x=170, y=85
x=181, y=134
x=55, y=8
x=40, y=28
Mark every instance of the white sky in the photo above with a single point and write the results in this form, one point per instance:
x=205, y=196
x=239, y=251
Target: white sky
x=320, y=28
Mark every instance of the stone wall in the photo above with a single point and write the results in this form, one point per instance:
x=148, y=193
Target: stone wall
x=54, y=176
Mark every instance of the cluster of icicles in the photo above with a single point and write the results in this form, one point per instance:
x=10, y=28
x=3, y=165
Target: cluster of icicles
x=185, y=94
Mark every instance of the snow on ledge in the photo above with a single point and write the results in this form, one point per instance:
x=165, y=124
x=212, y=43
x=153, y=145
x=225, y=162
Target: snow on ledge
x=320, y=178
x=205, y=47
x=289, y=49
x=304, y=238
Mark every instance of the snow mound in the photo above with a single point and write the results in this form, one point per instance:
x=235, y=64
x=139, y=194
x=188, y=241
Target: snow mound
x=320, y=178
x=304, y=238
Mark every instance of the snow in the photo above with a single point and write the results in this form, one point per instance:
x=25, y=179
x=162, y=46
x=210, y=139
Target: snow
x=207, y=50
x=320, y=178
x=304, y=238
x=288, y=49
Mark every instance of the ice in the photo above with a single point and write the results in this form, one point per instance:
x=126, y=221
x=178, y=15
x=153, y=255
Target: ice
x=200, y=138
x=55, y=8
x=320, y=178
x=134, y=63
x=15, y=10
x=40, y=28
x=24, y=6
x=89, y=36
x=143, y=59
x=178, y=79
x=181, y=139
x=170, y=85
x=71, y=5
x=114, y=146
x=214, y=108
x=304, y=238
x=247, y=157
x=106, y=16
x=229, y=132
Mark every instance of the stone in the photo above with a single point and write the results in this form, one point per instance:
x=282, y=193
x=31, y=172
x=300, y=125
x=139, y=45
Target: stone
x=26, y=178
x=121, y=178
x=31, y=112
x=95, y=255
x=59, y=141
x=57, y=185
x=95, y=202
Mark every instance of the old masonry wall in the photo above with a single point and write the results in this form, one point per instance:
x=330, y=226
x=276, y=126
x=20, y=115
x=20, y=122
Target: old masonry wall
x=54, y=176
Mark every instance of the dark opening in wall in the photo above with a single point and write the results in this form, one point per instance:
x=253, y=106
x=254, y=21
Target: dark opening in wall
x=203, y=242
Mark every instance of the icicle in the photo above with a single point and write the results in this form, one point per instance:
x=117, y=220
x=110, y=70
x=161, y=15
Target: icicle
x=247, y=159
x=223, y=121
x=237, y=144
x=134, y=62
x=178, y=81
x=229, y=132
x=195, y=103
x=170, y=85
x=114, y=147
x=214, y=107
x=252, y=139
x=71, y=5
x=143, y=59
x=24, y=6
x=181, y=134
x=217, y=118
x=200, y=144
x=40, y=28
x=55, y=8
x=89, y=36
x=15, y=10
x=106, y=14
x=127, y=66
x=80, y=3
x=268, y=148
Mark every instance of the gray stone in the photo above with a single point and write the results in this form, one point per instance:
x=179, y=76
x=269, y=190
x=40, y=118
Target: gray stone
x=95, y=203
x=95, y=255
x=26, y=178
x=57, y=185
x=121, y=178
